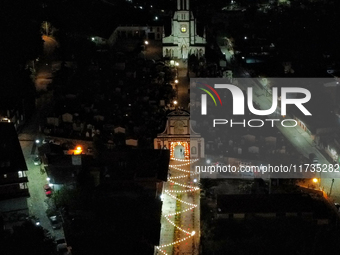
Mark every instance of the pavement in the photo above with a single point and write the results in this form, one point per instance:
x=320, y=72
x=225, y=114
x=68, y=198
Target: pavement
x=38, y=202
x=188, y=221
x=183, y=95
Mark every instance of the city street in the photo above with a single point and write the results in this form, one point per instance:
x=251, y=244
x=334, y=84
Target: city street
x=184, y=212
x=183, y=86
x=180, y=223
x=31, y=131
x=299, y=139
x=36, y=180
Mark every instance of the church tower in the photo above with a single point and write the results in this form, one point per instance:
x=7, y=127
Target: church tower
x=183, y=40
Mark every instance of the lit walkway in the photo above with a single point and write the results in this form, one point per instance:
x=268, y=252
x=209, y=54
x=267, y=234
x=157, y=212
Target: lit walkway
x=180, y=212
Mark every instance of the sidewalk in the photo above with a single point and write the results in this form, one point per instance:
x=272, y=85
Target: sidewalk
x=189, y=220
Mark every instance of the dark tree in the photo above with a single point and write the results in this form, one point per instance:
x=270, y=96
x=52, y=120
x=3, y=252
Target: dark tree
x=27, y=238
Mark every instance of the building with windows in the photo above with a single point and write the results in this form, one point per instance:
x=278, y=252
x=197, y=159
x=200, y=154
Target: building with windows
x=13, y=180
x=184, y=39
x=179, y=138
x=147, y=32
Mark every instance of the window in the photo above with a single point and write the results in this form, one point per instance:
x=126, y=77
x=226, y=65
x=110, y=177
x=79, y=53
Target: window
x=20, y=174
x=22, y=185
x=183, y=29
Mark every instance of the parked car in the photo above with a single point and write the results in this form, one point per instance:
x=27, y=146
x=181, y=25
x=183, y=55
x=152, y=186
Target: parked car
x=48, y=140
x=56, y=224
x=313, y=158
x=5, y=119
x=37, y=161
x=48, y=190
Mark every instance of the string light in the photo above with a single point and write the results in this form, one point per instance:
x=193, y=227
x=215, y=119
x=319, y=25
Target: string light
x=184, y=160
x=185, y=164
x=186, y=171
x=179, y=177
x=183, y=191
x=186, y=188
x=180, y=169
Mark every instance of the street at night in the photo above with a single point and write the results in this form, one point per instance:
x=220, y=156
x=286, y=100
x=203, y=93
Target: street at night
x=169, y=127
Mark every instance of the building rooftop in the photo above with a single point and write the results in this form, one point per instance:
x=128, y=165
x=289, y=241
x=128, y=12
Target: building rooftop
x=62, y=174
x=11, y=156
x=131, y=164
x=272, y=203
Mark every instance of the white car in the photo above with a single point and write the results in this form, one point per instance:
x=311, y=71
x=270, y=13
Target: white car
x=50, y=140
x=37, y=161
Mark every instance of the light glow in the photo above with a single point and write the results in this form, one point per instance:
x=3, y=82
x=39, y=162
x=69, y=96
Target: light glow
x=173, y=193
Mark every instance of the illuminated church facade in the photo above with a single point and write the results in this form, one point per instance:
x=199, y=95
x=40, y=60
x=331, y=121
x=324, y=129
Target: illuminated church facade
x=184, y=39
x=179, y=138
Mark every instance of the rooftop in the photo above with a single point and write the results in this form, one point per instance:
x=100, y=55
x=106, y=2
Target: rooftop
x=131, y=164
x=11, y=156
x=272, y=203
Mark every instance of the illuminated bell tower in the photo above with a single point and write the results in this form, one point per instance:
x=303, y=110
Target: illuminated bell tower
x=183, y=40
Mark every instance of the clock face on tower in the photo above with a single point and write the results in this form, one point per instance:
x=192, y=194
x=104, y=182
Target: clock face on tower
x=183, y=28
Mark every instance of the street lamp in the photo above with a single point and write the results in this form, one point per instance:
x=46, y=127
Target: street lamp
x=315, y=180
x=177, y=64
x=176, y=81
x=146, y=42
x=208, y=161
x=175, y=102
x=78, y=150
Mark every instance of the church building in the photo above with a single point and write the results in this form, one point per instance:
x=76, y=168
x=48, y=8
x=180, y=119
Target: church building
x=179, y=137
x=184, y=39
